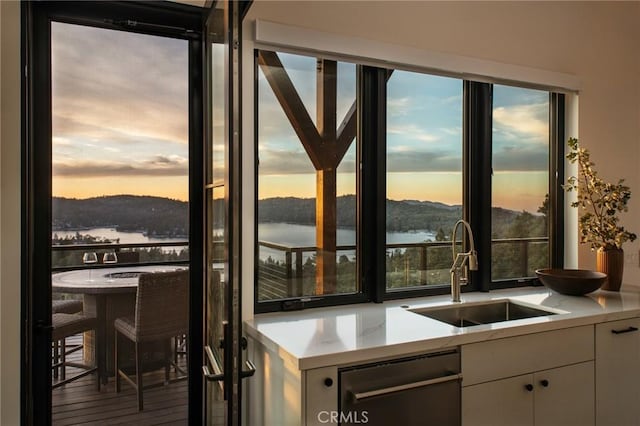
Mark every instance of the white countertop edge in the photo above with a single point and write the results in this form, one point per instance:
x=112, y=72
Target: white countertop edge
x=461, y=337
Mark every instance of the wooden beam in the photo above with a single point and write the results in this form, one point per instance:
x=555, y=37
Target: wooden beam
x=326, y=220
x=292, y=105
x=326, y=99
x=325, y=145
x=349, y=127
x=346, y=132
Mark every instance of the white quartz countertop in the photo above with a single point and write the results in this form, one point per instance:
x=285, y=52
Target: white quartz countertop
x=349, y=334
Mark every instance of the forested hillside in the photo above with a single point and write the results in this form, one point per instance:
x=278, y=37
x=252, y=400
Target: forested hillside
x=158, y=216
x=152, y=215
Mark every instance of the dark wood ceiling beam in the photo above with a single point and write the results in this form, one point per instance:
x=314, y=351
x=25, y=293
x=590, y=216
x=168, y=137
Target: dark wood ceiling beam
x=292, y=106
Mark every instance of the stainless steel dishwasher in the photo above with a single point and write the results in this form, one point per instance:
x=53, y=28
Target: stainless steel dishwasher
x=421, y=390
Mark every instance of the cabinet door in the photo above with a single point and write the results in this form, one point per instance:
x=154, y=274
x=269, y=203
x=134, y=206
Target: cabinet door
x=618, y=373
x=506, y=402
x=565, y=396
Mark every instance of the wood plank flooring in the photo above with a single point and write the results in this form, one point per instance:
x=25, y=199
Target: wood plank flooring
x=80, y=403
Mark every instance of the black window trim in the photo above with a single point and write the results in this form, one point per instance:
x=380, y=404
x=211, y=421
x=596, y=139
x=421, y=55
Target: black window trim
x=556, y=196
x=371, y=185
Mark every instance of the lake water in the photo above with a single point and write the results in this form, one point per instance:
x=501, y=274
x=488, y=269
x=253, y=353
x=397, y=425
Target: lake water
x=304, y=235
x=280, y=233
x=112, y=234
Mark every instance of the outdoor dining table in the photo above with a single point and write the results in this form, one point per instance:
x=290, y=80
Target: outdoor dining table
x=108, y=293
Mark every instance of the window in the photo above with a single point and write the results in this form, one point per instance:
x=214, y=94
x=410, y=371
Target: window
x=424, y=177
x=306, y=152
x=520, y=184
x=343, y=219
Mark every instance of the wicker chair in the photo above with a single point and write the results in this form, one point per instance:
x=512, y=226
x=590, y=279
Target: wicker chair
x=60, y=348
x=65, y=325
x=66, y=306
x=161, y=313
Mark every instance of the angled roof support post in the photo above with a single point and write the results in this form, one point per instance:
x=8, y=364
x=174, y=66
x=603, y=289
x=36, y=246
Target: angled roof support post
x=325, y=145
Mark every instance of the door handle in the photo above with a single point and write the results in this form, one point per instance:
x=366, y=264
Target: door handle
x=364, y=395
x=41, y=326
x=250, y=371
x=218, y=374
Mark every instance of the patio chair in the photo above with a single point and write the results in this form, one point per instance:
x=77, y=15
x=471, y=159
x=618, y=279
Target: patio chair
x=64, y=306
x=161, y=313
x=65, y=325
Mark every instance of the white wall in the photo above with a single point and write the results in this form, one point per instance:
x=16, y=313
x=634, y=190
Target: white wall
x=597, y=42
x=9, y=213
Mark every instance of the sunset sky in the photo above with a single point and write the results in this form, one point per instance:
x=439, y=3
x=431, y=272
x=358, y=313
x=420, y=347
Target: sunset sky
x=424, y=139
x=120, y=113
x=120, y=125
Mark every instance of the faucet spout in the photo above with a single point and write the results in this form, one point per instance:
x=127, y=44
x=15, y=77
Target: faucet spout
x=460, y=259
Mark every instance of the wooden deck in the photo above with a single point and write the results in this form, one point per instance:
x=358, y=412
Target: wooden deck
x=80, y=403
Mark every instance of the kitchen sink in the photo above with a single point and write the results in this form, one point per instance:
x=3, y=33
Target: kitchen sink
x=470, y=314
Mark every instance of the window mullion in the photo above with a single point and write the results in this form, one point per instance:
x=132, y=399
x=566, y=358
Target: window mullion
x=556, y=179
x=372, y=128
x=477, y=182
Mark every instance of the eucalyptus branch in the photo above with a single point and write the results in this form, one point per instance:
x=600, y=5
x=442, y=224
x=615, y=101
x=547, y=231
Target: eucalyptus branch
x=599, y=202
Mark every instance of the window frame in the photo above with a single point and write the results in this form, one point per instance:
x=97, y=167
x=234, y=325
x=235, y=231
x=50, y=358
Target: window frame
x=556, y=198
x=363, y=293
x=371, y=98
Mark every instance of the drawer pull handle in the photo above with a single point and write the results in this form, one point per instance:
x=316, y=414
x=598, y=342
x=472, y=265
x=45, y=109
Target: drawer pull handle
x=528, y=387
x=544, y=383
x=364, y=395
x=625, y=330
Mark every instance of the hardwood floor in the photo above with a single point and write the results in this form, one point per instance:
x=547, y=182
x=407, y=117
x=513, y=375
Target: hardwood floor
x=80, y=403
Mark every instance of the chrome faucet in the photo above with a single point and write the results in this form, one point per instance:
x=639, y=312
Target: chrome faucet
x=460, y=259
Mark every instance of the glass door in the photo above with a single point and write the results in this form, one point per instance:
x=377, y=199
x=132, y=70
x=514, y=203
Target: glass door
x=223, y=340
x=216, y=207
x=112, y=98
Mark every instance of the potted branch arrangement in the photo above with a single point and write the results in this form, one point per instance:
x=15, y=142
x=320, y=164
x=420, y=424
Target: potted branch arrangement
x=600, y=203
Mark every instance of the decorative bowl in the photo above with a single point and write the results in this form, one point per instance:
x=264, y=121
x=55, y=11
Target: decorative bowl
x=572, y=282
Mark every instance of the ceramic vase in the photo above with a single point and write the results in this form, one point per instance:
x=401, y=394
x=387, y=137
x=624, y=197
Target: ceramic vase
x=611, y=262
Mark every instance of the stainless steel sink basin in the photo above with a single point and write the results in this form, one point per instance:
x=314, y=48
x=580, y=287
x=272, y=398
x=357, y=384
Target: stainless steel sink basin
x=469, y=314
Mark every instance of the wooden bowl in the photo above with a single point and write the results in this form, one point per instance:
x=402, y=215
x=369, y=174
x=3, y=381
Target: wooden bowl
x=572, y=282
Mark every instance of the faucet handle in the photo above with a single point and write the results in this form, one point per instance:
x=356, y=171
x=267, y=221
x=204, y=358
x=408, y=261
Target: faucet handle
x=473, y=260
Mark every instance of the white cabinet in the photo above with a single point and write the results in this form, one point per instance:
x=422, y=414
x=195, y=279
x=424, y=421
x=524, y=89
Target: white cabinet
x=618, y=373
x=505, y=402
x=564, y=396
x=558, y=397
x=281, y=394
x=576, y=376
x=541, y=379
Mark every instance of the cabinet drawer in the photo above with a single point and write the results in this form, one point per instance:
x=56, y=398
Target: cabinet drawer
x=495, y=359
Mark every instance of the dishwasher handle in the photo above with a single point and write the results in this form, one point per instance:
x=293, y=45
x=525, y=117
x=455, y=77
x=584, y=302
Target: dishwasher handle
x=392, y=389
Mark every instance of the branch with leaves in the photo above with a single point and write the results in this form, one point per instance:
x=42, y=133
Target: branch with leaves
x=599, y=201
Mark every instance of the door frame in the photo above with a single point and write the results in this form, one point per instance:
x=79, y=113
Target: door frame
x=233, y=345
x=36, y=212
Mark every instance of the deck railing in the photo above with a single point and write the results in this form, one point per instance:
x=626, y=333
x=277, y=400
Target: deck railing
x=123, y=251
x=281, y=272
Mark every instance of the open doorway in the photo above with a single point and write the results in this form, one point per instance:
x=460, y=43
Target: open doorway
x=120, y=193
x=114, y=124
